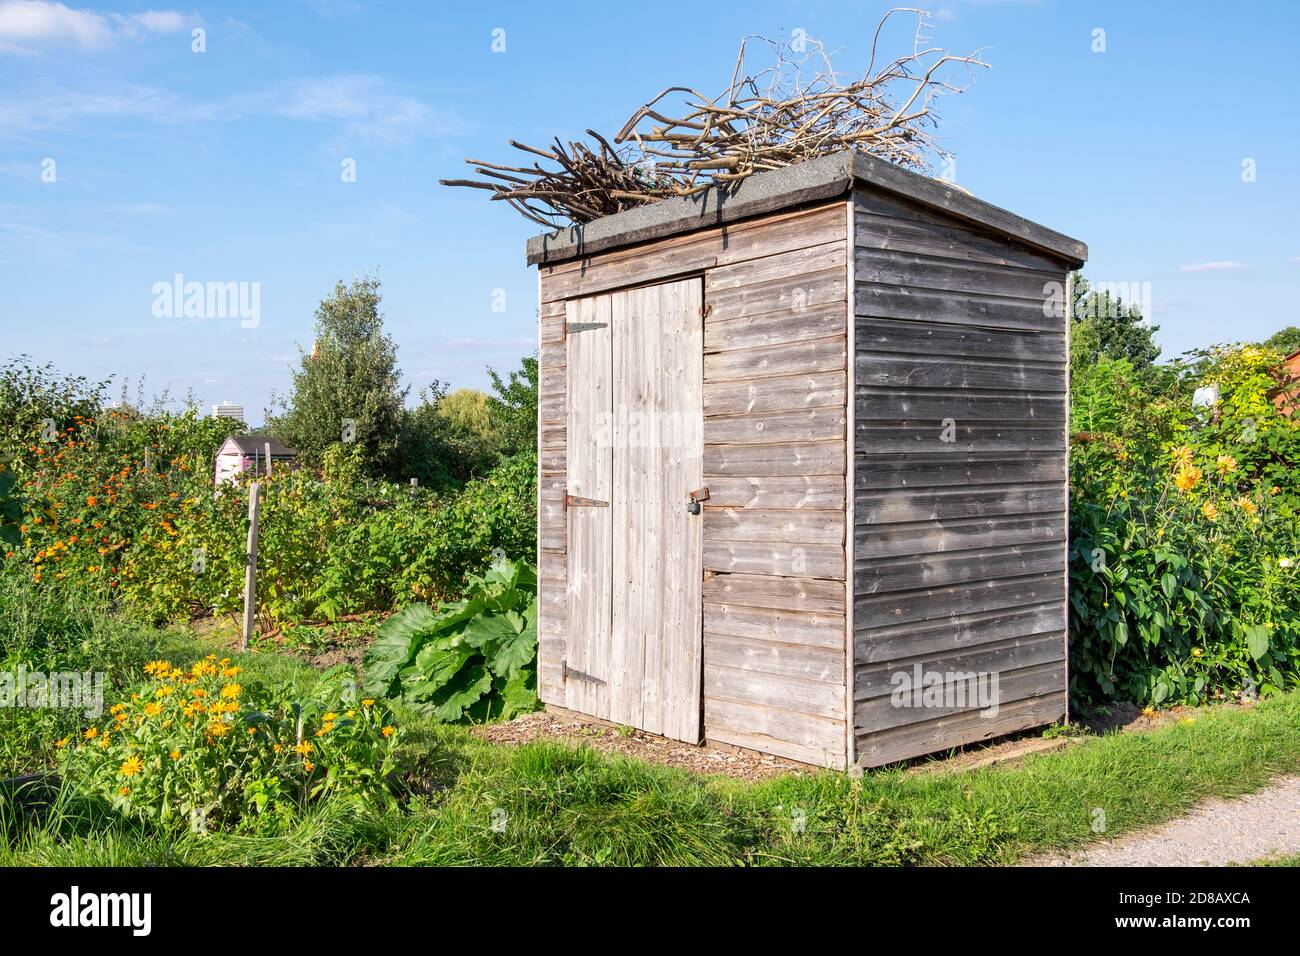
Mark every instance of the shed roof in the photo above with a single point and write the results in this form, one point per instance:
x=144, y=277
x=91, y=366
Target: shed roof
x=256, y=444
x=823, y=178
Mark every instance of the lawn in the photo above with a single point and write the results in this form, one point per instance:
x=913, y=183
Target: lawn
x=468, y=801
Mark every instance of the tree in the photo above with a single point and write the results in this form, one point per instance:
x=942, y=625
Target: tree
x=1286, y=341
x=1102, y=326
x=348, y=388
x=513, y=409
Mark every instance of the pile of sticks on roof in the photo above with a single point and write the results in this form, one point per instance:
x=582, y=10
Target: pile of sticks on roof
x=682, y=142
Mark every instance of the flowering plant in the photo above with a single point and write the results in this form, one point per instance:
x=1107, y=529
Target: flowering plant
x=200, y=747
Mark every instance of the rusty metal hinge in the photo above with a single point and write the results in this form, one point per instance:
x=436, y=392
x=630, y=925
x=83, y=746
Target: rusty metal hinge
x=575, y=501
x=700, y=494
x=706, y=310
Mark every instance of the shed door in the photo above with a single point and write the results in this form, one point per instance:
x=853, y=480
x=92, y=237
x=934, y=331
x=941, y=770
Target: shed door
x=635, y=447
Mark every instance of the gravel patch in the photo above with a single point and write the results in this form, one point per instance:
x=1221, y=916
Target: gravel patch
x=1217, y=832
x=542, y=725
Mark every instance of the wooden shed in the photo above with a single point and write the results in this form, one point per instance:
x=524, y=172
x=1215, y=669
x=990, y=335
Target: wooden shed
x=803, y=466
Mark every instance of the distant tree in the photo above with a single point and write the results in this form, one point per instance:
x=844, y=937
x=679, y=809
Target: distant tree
x=513, y=409
x=348, y=388
x=447, y=439
x=1286, y=341
x=1103, y=326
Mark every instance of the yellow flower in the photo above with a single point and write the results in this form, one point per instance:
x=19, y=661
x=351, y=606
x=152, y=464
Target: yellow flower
x=117, y=708
x=276, y=747
x=175, y=755
x=132, y=766
x=1187, y=478
x=1148, y=711
x=1225, y=464
x=61, y=742
x=231, y=690
x=124, y=791
x=92, y=733
x=164, y=691
x=121, y=718
x=1210, y=510
x=157, y=667
x=231, y=672
x=304, y=748
x=308, y=766
x=199, y=692
x=1246, y=505
x=1182, y=457
x=368, y=702
x=324, y=729
x=153, y=709
x=218, y=728
x=388, y=731
x=330, y=717
x=1197, y=652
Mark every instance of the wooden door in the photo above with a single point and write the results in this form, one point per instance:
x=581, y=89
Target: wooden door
x=635, y=572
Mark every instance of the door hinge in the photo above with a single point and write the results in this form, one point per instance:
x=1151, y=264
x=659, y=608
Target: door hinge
x=566, y=672
x=706, y=310
x=576, y=501
x=584, y=327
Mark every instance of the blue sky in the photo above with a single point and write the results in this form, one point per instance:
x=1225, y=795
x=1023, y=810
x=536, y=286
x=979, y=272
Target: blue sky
x=225, y=165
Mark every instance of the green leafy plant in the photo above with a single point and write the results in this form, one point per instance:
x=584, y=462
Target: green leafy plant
x=471, y=659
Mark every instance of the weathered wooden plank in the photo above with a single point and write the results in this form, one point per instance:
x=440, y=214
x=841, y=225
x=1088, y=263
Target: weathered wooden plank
x=775, y=461
x=814, y=740
x=958, y=437
x=932, y=272
x=792, y=293
x=722, y=333
x=813, y=424
x=883, y=301
x=551, y=331
x=769, y=394
x=959, y=632
x=817, y=698
x=912, y=740
x=817, y=629
x=812, y=492
x=801, y=661
x=552, y=461
x=790, y=526
x=888, y=224
x=880, y=679
x=879, y=508
x=553, y=434
x=914, y=371
x=589, y=467
x=694, y=252
x=781, y=593
x=885, y=609
x=883, y=713
x=887, y=177
x=777, y=558
x=957, y=470
x=803, y=358
x=805, y=260
x=941, y=570
x=902, y=337
x=895, y=404
x=959, y=534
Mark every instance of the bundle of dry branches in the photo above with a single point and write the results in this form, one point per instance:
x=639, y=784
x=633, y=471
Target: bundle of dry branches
x=763, y=120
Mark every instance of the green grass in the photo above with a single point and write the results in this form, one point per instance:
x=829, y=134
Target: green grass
x=473, y=802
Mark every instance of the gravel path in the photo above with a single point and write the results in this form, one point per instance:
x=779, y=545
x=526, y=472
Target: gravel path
x=1216, y=833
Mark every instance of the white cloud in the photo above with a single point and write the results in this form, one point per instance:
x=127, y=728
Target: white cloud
x=1221, y=265
x=26, y=25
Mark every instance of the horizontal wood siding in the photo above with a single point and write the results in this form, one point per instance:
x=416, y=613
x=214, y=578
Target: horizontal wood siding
x=960, y=398
x=775, y=462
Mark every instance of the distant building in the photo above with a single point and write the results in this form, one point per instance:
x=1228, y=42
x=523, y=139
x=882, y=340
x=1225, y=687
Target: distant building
x=227, y=410
x=241, y=453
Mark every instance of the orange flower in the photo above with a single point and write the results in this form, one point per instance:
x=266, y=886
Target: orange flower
x=91, y=500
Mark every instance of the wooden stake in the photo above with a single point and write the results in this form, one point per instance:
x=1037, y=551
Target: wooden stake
x=250, y=567
x=268, y=459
